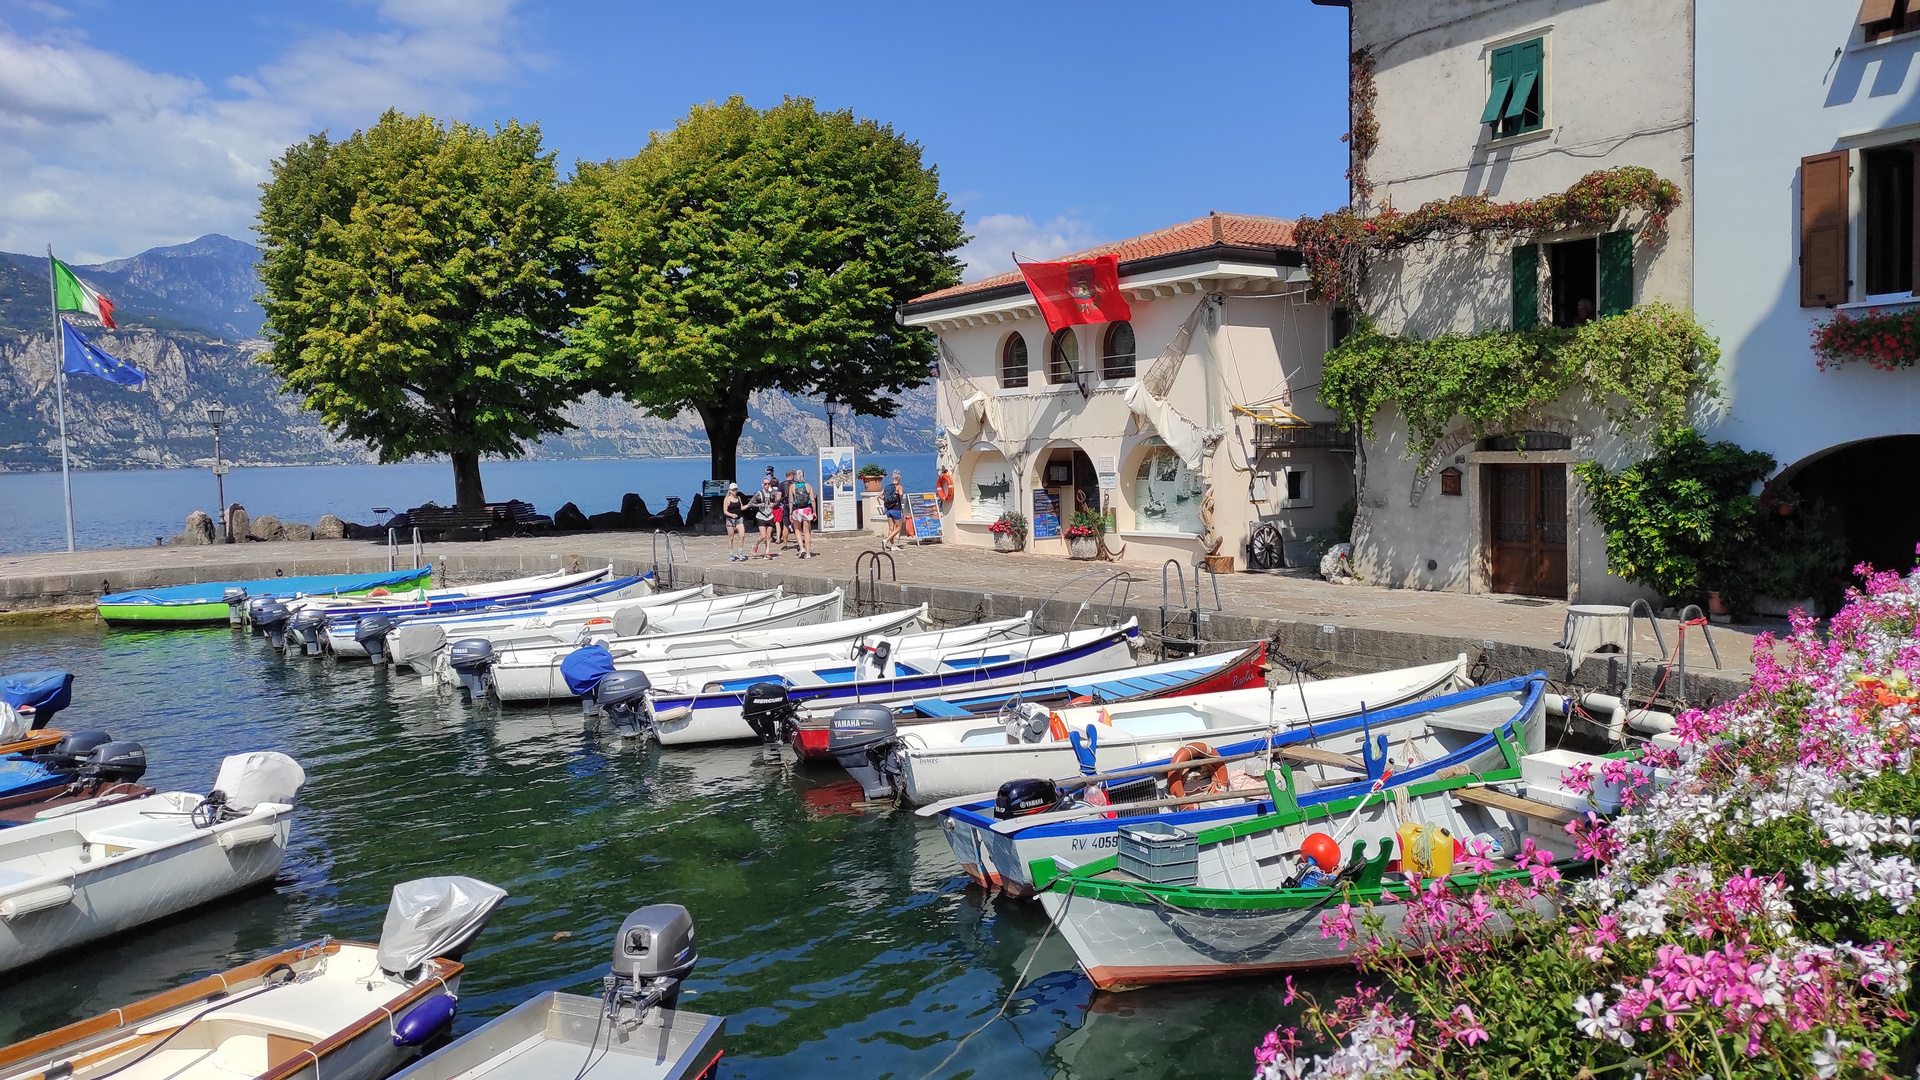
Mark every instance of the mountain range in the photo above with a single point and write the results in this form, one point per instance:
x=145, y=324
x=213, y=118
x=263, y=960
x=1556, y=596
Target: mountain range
x=188, y=319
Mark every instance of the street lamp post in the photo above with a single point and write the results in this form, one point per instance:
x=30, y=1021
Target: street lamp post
x=216, y=416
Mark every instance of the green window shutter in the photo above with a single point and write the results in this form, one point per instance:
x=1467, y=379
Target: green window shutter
x=1502, y=85
x=1522, y=91
x=1526, y=287
x=1616, y=272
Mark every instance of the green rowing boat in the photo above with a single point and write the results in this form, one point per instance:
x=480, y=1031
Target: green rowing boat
x=203, y=603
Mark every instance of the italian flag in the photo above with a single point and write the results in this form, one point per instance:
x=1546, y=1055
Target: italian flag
x=72, y=294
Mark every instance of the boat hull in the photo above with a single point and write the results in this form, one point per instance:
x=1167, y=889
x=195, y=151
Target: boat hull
x=160, y=612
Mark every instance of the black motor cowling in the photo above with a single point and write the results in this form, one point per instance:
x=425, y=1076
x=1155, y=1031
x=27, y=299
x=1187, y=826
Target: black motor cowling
x=235, y=598
x=271, y=618
x=622, y=698
x=864, y=739
x=115, y=763
x=73, y=748
x=770, y=712
x=652, y=955
x=472, y=660
x=308, y=626
x=1019, y=798
x=252, y=605
x=371, y=632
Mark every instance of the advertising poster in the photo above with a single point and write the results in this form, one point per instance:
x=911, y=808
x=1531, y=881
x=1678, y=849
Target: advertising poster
x=1046, y=514
x=924, y=508
x=839, y=490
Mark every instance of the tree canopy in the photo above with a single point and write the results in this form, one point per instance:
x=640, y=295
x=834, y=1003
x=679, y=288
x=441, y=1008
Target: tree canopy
x=416, y=279
x=748, y=250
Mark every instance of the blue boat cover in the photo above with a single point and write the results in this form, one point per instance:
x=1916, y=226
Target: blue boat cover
x=210, y=592
x=46, y=691
x=19, y=775
x=583, y=668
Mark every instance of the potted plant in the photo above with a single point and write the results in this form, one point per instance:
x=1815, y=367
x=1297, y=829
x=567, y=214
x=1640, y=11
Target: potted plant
x=1009, y=532
x=1083, y=536
x=871, y=476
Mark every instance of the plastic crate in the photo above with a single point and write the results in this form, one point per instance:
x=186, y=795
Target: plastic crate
x=1160, y=853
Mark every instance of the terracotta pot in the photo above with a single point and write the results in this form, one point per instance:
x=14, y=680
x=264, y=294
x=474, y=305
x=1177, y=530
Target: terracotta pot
x=872, y=484
x=1083, y=547
x=1717, y=606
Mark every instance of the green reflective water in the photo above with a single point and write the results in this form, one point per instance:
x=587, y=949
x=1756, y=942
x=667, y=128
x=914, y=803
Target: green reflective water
x=838, y=942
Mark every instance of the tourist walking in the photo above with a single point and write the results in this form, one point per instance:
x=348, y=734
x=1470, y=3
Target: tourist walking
x=894, y=501
x=788, y=536
x=733, y=511
x=800, y=503
x=764, y=504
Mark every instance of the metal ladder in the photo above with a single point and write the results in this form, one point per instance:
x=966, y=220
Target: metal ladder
x=870, y=594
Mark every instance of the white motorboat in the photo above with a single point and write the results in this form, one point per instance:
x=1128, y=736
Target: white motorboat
x=334, y=1009
x=966, y=757
x=596, y=615
x=532, y=585
x=86, y=870
x=362, y=632
x=417, y=643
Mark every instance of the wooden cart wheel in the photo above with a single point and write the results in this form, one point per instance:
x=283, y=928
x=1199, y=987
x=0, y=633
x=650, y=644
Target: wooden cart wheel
x=1266, y=552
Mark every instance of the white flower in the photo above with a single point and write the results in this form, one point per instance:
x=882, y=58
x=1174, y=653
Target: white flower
x=1826, y=1060
x=1590, y=1009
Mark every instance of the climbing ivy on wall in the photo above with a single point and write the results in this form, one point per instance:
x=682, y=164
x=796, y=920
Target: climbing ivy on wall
x=1364, y=132
x=1337, y=246
x=1639, y=367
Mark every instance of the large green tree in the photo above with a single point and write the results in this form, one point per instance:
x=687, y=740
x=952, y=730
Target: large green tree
x=752, y=249
x=416, y=279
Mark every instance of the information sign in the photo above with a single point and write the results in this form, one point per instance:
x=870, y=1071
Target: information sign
x=839, y=494
x=924, y=508
x=1046, y=514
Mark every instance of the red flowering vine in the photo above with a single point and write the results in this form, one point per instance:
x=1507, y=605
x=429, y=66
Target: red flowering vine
x=1888, y=340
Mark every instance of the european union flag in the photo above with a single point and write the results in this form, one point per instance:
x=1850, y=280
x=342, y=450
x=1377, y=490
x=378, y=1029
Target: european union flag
x=86, y=358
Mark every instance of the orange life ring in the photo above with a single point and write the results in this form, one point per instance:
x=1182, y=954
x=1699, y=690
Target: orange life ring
x=1182, y=782
x=1056, y=727
x=943, y=488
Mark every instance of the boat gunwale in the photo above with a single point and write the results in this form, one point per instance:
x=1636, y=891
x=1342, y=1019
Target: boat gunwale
x=265, y=813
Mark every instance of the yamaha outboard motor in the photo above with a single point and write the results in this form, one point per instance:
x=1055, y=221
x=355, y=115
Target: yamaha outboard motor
x=235, y=598
x=67, y=754
x=622, y=697
x=271, y=618
x=371, y=632
x=252, y=606
x=472, y=660
x=1026, y=722
x=1019, y=798
x=864, y=740
x=308, y=626
x=114, y=763
x=652, y=955
x=771, y=713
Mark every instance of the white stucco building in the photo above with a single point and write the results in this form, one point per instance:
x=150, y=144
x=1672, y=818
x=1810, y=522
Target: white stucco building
x=1031, y=418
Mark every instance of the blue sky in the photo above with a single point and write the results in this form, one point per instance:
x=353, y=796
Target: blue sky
x=126, y=125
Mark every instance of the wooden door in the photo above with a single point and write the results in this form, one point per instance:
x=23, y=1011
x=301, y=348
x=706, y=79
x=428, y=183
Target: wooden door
x=1527, y=525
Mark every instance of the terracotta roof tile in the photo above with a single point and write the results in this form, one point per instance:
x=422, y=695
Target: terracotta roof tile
x=1238, y=230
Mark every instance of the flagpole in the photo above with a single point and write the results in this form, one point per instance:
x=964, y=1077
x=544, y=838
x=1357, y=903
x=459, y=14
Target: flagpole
x=60, y=391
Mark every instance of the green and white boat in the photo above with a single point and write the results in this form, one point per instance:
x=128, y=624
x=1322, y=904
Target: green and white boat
x=1247, y=902
x=207, y=602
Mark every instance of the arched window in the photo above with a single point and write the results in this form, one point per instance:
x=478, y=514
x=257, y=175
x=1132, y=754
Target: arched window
x=1063, y=357
x=1116, y=360
x=1013, y=361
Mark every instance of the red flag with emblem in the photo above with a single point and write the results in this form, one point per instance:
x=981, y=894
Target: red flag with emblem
x=1077, y=291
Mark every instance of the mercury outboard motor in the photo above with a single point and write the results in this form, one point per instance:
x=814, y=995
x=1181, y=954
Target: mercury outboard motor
x=652, y=956
x=1026, y=722
x=622, y=697
x=271, y=619
x=864, y=740
x=235, y=598
x=371, y=632
x=472, y=660
x=114, y=763
x=308, y=626
x=771, y=713
x=1019, y=798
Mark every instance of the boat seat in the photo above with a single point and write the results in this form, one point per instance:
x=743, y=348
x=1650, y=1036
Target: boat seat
x=138, y=833
x=10, y=878
x=734, y=685
x=837, y=675
x=901, y=670
x=938, y=707
x=968, y=662
x=1162, y=679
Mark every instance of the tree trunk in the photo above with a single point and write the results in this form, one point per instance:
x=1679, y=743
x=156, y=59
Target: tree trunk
x=724, y=421
x=467, y=492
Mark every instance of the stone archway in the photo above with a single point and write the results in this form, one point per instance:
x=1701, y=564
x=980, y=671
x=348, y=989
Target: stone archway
x=1863, y=491
x=1460, y=437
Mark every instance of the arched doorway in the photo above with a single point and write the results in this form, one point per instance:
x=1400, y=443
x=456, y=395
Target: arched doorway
x=1865, y=491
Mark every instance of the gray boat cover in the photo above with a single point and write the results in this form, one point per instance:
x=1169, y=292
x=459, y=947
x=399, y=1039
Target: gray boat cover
x=434, y=916
x=416, y=641
x=629, y=621
x=263, y=776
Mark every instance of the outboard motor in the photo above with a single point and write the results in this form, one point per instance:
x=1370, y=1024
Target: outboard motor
x=308, y=626
x=864, y=740
x=622, y=698
x=428, y=918
x=253, y=605
x=771, y=713
x=417, y=645
x=270, y=619
x=472, y=660
x=247, y=780
x=582, y=669
x=371, y=632
x=652, y=956
x=235, y=598
x=1020, y=798
x=67, y=754
x=114, y=763
x=1026, y=722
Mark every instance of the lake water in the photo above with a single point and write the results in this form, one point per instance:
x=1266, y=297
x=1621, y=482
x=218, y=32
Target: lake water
x=839, y=942
x=131, y=508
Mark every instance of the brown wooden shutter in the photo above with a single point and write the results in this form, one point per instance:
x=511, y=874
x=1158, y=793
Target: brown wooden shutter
x=1823, y=229
x=1874, y=11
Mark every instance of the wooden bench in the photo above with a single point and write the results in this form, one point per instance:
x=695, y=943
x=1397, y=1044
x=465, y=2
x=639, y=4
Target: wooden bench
x=442, y=524
x=1513, y=804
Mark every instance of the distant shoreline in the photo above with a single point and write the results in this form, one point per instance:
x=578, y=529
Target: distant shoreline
x=6, y=470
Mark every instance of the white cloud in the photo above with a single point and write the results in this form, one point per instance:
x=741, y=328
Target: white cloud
x=997, y=236
x=105, y=158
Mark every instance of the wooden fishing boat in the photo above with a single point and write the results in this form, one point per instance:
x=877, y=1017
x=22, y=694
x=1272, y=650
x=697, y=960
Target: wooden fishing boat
x=207, y=602
x=965, y=757
x=83, y=872
x=334, y=1009
x=1172, y=678
x=1241, y=898
x=1474, y=730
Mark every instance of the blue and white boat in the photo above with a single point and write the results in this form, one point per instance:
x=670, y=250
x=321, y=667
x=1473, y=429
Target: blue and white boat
x=342, y=623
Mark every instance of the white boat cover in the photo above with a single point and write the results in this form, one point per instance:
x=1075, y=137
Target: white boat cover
x=429, y=917
x=13, y=726
x=414, y=641
x=630, y=621
x=263, y=776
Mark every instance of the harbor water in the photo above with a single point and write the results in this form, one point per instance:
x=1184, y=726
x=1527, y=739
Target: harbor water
x=839, y=940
